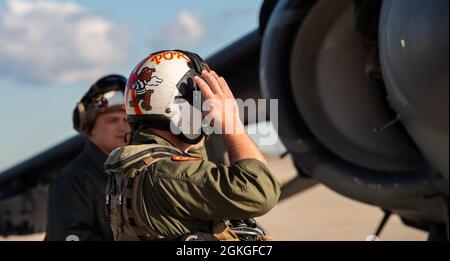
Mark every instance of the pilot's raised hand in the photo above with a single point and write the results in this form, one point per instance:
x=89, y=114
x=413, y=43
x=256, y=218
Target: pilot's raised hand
x=224, y=111
x=219, y=99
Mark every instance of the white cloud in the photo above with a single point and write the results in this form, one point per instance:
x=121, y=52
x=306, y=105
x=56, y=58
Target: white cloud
x=187, y=28
x=58, y=42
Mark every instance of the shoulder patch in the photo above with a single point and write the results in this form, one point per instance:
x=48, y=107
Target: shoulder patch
x=184, y=158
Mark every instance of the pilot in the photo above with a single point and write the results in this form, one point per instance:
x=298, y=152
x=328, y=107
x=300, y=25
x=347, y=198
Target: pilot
x=159, y=191
x=76, y=199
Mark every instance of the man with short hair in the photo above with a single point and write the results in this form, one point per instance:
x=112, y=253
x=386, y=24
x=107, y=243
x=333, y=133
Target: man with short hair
x=76, y=200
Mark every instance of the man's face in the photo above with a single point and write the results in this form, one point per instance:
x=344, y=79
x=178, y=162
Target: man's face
x=109, y=131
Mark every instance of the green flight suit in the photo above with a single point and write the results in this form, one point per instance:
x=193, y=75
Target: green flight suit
x=183, y=196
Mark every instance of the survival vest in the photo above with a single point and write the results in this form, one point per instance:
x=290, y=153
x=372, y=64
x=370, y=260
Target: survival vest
x=126, y=211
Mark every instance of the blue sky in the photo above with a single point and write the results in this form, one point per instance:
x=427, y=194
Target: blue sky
x=51, y=51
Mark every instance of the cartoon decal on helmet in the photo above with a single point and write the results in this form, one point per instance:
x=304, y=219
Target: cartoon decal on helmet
x=145, y=80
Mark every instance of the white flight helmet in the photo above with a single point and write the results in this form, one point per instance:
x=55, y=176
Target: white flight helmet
x=161, y=93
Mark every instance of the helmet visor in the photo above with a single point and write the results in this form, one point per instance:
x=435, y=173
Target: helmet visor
x=108, y=100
